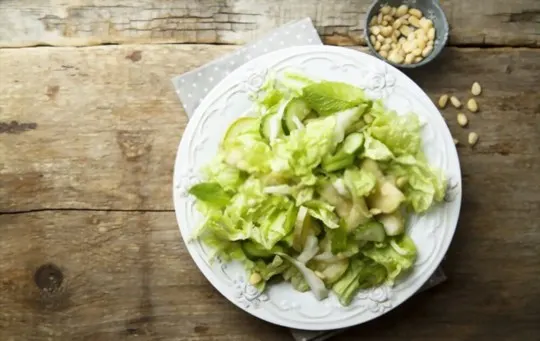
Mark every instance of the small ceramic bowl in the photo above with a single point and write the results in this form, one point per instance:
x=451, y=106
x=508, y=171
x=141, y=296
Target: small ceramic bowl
x=431, y=10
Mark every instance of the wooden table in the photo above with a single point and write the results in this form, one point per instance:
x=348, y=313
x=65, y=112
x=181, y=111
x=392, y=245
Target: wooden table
x=89, y=125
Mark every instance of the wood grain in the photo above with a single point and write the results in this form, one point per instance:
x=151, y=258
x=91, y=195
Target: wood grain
x=90, y=22
x=100, y=131
x=123, y=275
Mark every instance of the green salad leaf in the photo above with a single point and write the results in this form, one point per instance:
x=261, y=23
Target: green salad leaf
x=328, y=97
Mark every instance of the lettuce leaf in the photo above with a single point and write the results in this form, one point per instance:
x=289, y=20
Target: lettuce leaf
x=320, y=210
x=375, y=149
x=303, y=149
x=401, y=134
x=211, y=193
x=228, y=177
x=328, y=97
x=424, y=185
x=359, y=182
x=397, y=256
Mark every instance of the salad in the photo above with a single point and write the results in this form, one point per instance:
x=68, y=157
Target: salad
x=314, y=188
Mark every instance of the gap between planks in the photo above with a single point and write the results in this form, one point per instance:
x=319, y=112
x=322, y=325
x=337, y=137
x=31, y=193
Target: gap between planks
x=59, y=209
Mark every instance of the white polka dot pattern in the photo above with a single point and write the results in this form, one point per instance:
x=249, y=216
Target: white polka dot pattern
x=193, y=86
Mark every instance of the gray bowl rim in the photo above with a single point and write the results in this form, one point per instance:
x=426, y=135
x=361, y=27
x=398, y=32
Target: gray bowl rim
x=425, y=61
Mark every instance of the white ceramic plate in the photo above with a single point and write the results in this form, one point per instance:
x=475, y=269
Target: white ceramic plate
x=432, y=232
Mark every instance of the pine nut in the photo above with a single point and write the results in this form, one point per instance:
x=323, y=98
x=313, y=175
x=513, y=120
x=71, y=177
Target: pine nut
x=384, y=54
x=431, y=33
x=414, y=21
x=476, y=89
x=442, y=101
x=427, y=51
x=473, y=138
x=373, y=39
x=409, y=58
x=388, y=18
x=397, y=24
x=425, y=23
x=462, y=119
x=472, y=105
x=386, y=9
x=385, y=47
x=421, y=43
x=417, y=59
x=405, y=30
x=402, y=10
x=455, y=101
x=415, y=12
x=377, y=46
x=375, y=30
x=456, y=141
x=395, y=57
x=380, y=38
x=255, y=278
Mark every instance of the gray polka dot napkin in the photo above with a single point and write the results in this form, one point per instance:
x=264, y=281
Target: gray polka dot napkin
x=193, y=86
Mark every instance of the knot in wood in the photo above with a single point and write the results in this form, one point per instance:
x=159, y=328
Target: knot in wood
x=48, y=278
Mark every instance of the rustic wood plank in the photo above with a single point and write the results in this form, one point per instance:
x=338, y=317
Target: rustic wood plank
x=127, y=273
x=115, y=275
x=99, y=130
x=88, y=22
x=97, y=121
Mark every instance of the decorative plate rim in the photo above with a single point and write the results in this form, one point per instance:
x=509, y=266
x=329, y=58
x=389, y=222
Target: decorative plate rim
x=260, y=64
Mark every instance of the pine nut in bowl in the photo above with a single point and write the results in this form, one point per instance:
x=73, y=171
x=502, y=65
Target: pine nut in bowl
x=406, y=34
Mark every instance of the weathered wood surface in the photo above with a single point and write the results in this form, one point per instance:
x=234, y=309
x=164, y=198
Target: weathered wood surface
x=97, y=129
x=92, y=22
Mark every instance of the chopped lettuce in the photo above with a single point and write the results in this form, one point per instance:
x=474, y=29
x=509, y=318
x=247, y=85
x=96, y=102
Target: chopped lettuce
x=362, y=273
x=397, y=256
x=360, y=183
x=401, y=134
x=327, y=97
x=310, y=190
x=211, y=193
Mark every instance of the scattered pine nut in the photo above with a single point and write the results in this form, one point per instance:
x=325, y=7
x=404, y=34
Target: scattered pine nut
x=255, y=278
x=472, y=105
x=456, y=141
x=442, y=101
x=473, y=138
x=462, y=119
x=455, y=101
x=476, y=89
